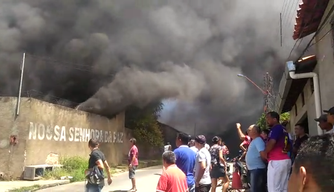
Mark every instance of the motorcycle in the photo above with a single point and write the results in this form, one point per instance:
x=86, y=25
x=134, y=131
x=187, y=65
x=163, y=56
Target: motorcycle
x=240, y=169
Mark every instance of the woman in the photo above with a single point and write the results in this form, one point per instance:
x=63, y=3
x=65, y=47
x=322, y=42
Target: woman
x=218, y=165
x=244, y=145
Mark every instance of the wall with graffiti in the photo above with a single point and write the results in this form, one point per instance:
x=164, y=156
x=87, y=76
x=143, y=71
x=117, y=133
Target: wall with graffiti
x=42, y=132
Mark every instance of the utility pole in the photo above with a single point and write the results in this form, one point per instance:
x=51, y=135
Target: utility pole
x=18, y=101
x=269, y=98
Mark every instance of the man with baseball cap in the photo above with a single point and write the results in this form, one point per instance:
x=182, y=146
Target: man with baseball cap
x=202, y=166
x=324, y=124
x=330, y=117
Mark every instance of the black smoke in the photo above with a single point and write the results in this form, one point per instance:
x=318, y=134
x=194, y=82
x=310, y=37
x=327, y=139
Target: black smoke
x=107, y=55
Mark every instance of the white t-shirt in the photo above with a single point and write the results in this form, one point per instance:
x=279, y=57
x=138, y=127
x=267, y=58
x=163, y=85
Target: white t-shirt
x=203, y=155
x=330, y=131
x=207, y=146
x=167, y=148
x=194, y=149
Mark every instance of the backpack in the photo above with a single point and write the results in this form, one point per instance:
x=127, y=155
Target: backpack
x=214, y=152
x=95, y=176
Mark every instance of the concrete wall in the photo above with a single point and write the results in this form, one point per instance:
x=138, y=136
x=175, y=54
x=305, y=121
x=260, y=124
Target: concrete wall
x=169, y=134
x=146, y=152
x=325, y=67
x=325, y=70
x=43, y=128
x=308, y=108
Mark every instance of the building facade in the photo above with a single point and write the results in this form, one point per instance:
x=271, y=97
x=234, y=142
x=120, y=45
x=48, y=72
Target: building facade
x=297, y=95
x=42, y=129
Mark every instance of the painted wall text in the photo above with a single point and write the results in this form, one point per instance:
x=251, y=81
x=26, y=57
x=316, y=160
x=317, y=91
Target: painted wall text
x=39, y=131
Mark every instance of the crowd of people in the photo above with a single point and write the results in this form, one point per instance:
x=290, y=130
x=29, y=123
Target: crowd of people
x=275, y=162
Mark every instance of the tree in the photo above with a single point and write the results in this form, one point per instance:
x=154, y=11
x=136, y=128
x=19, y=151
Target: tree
x=284, y=117
x=144, y=123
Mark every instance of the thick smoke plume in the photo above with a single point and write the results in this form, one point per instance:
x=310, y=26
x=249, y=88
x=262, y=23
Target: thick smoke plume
x=129, y=52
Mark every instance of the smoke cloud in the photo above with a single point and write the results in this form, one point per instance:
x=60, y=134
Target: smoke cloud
x=129, y=52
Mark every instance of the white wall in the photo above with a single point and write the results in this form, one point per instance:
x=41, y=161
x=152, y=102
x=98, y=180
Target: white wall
x=325, y=67
x=325, y=70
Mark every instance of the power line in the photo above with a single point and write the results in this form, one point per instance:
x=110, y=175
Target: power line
x=321, y=38
x=301, y=32
x=79, y=67
x=316, y=33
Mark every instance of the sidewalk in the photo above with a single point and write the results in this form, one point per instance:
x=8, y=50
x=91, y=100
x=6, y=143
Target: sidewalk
x=7, y=186
x=12, y=185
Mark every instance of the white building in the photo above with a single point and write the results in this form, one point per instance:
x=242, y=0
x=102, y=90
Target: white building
x=297, y=96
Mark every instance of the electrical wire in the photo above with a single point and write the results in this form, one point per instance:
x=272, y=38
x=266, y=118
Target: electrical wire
x=321, y=38
x=316, y=33
x=300, y=34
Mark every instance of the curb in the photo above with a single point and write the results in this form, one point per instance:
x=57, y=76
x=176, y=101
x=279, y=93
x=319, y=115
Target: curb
x=52, y=185
x=148, y=165
x=41, y=186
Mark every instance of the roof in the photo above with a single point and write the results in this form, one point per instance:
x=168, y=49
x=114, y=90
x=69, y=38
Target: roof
x=308, y=17
x=169, y=127
x=290, y=89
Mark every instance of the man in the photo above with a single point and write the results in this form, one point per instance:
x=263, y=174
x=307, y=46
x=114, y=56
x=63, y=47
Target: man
x=254, y=160
x=172, y=179
x=202, y=166
x=133, y=163
x=279, y=162
x=185, y=159
x=264, y=134
x=324, y=124
x=313, y=168
x=192, y=145
x=167, y=147
x=301, y=138
x=96, y=159
x=330, y=118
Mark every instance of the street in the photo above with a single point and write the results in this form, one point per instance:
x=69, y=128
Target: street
x=147, y=180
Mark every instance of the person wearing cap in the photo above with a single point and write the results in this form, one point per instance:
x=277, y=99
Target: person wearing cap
x=330, y=118
x=324, y=124
x=202, y=166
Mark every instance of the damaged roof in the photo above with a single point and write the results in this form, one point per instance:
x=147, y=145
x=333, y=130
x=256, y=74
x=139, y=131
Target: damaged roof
x=309, y=15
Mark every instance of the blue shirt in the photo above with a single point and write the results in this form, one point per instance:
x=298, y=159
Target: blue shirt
x=253, y=158
x=185, y=160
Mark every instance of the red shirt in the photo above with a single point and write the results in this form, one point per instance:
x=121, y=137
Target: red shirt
x=133, y=153
x=247, y=141
x=225, y=150
x=172, y=180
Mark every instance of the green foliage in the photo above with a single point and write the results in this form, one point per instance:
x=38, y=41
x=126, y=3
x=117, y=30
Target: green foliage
x=144, y=123
x=75, y=167
x=284, y=117
x=261, y=122
x=72, y=166
x=25, y=189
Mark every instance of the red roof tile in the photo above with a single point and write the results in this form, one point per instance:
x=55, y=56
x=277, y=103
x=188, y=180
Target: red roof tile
x=308, y=17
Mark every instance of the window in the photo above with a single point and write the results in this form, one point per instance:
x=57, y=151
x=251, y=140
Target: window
x=303, y=98
x=296, y=110
x=312, y=85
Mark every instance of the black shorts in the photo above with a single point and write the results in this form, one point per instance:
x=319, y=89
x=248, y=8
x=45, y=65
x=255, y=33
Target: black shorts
x=203, y=188
x=217, y=172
